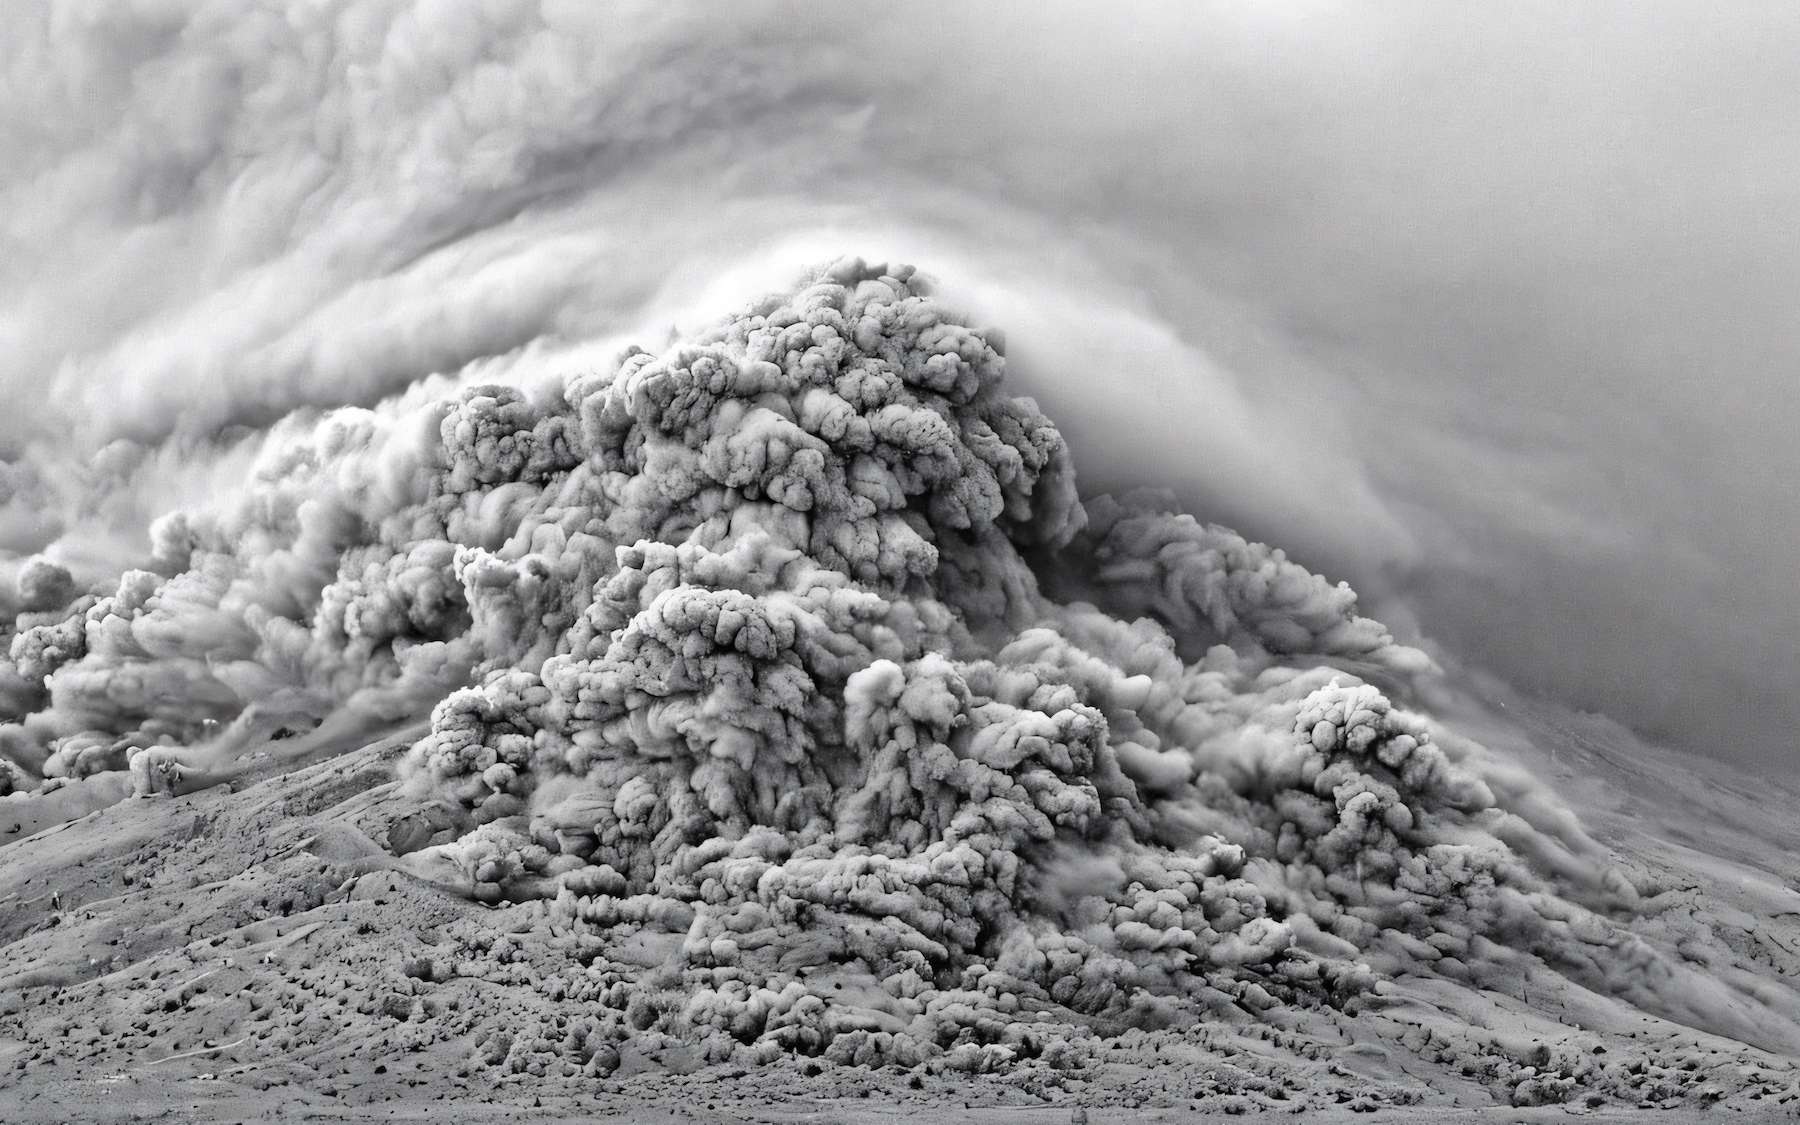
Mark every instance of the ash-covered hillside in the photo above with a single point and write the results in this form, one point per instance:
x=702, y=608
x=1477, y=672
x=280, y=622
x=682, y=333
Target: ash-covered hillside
x=774, y=701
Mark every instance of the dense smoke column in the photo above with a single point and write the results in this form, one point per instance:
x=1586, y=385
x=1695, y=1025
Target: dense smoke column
x=786, y=682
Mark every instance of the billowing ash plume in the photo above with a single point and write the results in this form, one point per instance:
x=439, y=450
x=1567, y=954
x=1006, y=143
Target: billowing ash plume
x=786, y=677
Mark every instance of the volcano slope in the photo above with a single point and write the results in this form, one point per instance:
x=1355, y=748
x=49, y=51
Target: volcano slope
x=773, y=709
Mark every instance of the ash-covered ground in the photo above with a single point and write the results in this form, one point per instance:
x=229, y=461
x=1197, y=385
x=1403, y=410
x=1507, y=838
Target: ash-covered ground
x=768, y=719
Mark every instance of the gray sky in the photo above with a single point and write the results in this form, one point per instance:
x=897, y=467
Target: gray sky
x=1483, y=307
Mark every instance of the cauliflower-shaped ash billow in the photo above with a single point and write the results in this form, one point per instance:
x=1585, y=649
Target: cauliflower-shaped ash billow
x=787, y=680
x=816, y=722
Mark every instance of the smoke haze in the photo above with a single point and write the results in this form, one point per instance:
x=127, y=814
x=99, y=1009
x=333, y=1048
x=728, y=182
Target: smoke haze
x=1484, y=311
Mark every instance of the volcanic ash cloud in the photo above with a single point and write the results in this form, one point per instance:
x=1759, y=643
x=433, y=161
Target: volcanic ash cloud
x=786, y=681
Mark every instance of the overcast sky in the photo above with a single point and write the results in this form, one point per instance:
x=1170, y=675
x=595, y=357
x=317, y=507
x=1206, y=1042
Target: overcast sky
x=1486, y=308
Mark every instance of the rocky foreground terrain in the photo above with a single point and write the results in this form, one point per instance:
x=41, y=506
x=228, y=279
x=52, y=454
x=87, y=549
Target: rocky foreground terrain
x=257, y=952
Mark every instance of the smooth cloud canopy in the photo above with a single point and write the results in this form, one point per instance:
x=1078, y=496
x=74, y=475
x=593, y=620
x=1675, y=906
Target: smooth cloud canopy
x=1485, y=310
